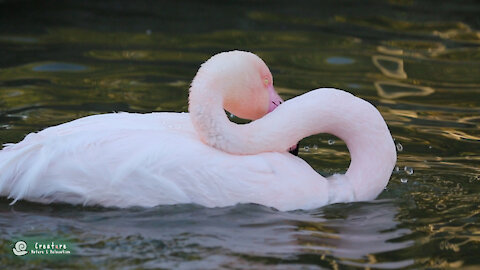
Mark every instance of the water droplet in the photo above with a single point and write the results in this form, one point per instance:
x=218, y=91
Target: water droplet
x=148, y=32
x=408, y=170
x=399, y=147
x=404, y=180
x=331, y=142
x=231, y=115
x=306, y=148
x=429, y=147
x=315, y=147
x=397, y=168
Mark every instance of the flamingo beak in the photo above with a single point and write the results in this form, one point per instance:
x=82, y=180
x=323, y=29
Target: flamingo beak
x=275, y=101
x=294, y=150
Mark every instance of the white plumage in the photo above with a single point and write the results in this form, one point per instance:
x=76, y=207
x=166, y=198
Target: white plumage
x=128, y=159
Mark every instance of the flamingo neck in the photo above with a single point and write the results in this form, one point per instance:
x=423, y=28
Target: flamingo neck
x=355, y=121
x=209, y=119
x=327, y=110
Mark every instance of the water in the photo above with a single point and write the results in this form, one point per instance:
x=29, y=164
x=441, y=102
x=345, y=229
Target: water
x=417, y=61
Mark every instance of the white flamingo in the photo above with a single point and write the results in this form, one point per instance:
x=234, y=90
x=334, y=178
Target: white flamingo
x=129, y=159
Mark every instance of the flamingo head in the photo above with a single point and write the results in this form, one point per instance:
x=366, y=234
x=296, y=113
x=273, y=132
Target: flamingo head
x=245, y=82
x=241, y=81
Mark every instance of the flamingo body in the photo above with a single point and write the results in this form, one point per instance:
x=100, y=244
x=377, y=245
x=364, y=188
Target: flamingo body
x=128, y=159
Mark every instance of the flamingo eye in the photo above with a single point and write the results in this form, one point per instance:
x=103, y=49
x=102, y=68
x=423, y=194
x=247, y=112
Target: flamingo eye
x=266, y=81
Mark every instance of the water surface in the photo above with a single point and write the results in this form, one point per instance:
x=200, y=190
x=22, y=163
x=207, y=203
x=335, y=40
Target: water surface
x=417, y=61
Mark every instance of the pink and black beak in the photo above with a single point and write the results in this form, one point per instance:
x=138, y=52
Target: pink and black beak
x=275, y=101
x=294, y=150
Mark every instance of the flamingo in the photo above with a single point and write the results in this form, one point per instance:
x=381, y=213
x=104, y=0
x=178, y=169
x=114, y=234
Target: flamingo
x=131, y=159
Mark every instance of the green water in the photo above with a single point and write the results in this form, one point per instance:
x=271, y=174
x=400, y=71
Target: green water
x=417, y=61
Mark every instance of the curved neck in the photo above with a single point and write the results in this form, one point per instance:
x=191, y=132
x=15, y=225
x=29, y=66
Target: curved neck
x=333, y=111
x=326, y=110
x=209, y=118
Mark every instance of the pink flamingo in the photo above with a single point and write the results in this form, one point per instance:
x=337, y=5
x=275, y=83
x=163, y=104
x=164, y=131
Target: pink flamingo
x=129, y=159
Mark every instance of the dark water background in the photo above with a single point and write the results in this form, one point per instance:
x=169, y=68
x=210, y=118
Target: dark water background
x=417, y=61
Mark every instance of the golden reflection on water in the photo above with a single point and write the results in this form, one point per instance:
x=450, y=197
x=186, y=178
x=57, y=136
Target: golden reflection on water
x=390, y=66
x=391, y=51
x=393, y=67
x=459, y=135
x=392, y=90
x=413, y=48
x=463, y=32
